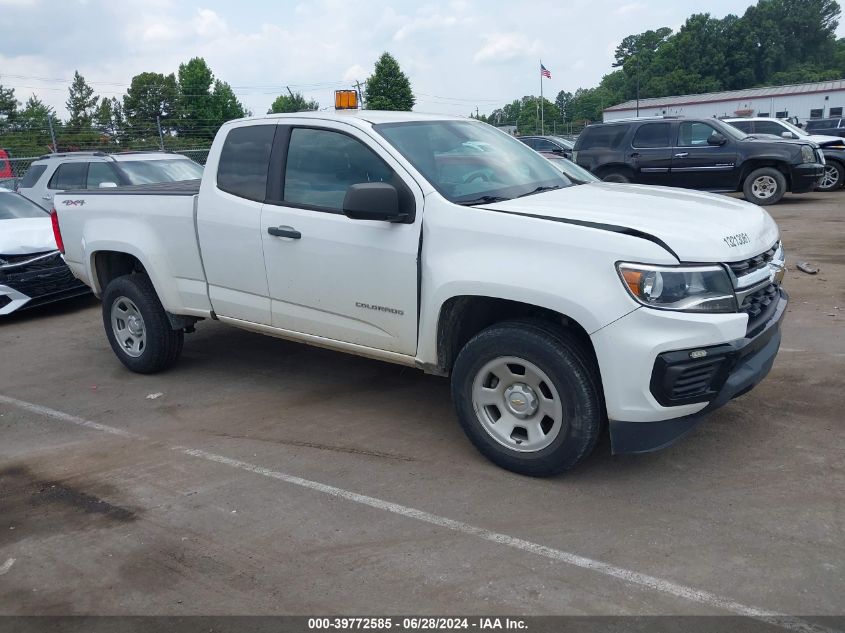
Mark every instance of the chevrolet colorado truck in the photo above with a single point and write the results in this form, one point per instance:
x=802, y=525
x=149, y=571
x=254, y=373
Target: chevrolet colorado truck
x=557, y=309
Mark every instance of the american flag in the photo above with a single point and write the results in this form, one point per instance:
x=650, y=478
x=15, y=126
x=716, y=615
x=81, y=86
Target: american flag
x=545, y=72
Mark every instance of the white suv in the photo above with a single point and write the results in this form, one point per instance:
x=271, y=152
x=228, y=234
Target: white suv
x=779, y=127
x=54, y=173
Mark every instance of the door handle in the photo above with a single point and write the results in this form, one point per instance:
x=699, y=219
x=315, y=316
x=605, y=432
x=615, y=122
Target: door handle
x=681, y=154
x=284, y=231
x=46, y=197
x=635, y=155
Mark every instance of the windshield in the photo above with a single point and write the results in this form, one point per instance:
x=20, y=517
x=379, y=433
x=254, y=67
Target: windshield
x=14, y=206
x=794, y=128
x=447, y=154
x=143, y=172
x=729, y=130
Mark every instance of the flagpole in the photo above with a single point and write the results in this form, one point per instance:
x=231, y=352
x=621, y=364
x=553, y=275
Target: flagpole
x=542, y=127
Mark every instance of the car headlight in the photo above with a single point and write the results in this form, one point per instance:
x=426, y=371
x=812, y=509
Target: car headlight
x=807, y=154
x=687, y=289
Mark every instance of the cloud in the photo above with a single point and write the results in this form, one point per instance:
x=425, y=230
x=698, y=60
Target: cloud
x=630, y=7
x=355, y=72
x=208, y=24
x=426, y=23
x=503, y=47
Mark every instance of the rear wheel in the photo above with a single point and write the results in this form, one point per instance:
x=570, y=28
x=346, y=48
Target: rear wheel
x=615, y=177
x=764, y=186
x=834, y=174
x=137, y=325
x=528, y=397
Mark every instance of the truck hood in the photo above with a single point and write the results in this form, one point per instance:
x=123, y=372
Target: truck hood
x=696, y=226
x=24, y=236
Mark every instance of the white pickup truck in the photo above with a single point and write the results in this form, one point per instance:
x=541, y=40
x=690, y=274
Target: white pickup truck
x=442, y=243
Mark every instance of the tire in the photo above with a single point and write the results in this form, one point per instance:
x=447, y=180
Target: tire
x=764, y=186
x=834, y=174
x=137, y=325
x=616, y=177
x=538, y=443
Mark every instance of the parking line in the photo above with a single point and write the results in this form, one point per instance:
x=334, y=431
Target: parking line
x=5, y=567
x=646, y=581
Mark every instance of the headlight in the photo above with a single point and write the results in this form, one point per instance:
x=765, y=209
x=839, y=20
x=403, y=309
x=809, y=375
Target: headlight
x=688, y=289
x=807, y=154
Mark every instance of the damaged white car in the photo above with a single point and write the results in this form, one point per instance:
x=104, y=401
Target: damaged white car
x=32, y=271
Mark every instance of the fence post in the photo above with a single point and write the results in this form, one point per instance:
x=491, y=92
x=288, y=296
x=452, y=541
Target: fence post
x=160, y=135
x=52, y=133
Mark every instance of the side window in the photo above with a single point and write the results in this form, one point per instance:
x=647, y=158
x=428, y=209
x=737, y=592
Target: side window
x=652, y=135
x=603, y=137
x=99, y=173
x=245, y=160
x=770, y=127
x=542, y=145
x=694, y=134
x=69, y=176
x=32, y=175
x=530, y=142
x=322, y=164
x=744, y=126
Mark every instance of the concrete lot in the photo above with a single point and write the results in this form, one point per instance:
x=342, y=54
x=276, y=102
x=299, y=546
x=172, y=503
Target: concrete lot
x=274, y=478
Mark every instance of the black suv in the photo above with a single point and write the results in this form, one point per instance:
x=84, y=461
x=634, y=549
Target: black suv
x=702, y=154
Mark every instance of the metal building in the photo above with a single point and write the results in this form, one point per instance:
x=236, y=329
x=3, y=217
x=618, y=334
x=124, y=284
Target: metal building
x=802, y=101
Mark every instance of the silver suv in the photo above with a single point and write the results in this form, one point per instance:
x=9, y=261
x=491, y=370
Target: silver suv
x=53, y=173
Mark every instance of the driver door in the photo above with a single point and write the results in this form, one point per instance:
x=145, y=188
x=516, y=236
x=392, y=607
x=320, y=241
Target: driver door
x=330, y=276
x=697, y=164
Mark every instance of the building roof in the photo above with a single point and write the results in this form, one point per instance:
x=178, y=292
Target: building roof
x=732, y=95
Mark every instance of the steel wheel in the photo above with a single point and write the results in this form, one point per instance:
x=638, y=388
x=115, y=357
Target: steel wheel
x=517, y=404
x=128, y=327
x=764, y=187
x=830, y=177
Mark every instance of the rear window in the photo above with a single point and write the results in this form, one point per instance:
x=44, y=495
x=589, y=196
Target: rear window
x=245, y=160
x=69, y=176
x=601, y=136
x=32, y=175
x=652, y=135
x=14, y=206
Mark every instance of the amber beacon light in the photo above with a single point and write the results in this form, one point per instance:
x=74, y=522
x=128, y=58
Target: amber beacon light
x=345, y=99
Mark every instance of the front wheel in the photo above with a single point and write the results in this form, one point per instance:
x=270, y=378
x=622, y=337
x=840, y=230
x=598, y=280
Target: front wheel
x=137, y=325
x=834, y=174
x=616, y=177
x=764, y=186
x=528, y=397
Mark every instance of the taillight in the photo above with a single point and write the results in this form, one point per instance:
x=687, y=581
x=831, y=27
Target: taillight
x=57, y=232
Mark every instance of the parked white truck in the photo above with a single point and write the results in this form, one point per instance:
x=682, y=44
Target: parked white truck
x=445, y=244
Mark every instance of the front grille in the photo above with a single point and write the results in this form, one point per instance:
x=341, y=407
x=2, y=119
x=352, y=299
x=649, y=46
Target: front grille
x=677, y=379
x=754, y=263
x=8, y=262
x=39, y=279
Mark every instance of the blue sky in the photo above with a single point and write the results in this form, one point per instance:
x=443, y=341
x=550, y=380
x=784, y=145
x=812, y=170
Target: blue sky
x=459, y=54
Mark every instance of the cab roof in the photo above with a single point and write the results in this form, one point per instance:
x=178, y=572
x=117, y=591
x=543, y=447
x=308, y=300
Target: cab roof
x=370, y=116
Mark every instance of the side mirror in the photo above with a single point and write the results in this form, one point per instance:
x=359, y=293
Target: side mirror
x=107, y=185
x=788, y=135
x=716, y=139
x=372, y=201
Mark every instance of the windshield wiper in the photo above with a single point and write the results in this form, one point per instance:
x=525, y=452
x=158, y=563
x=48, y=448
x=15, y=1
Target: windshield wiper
x=540, y=190
x=482, y=200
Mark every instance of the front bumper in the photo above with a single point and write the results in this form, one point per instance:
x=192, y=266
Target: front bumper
x=729, y=370
x=31, y=283
x=805, y=177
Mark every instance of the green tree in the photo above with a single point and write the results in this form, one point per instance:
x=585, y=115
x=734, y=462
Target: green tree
x=81, y=103
x=8, y=104
x=225, y=104
x=293, y=102
x=563, y=101
x=109, y=117
x=388, y=88
x=150, y=95
x=196, y=107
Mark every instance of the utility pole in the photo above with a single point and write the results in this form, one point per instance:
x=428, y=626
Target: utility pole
x=476, y=112
x=289, y=92
x=358, y=85
x=638, y=83
x=52, y=133
x=160, y=135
